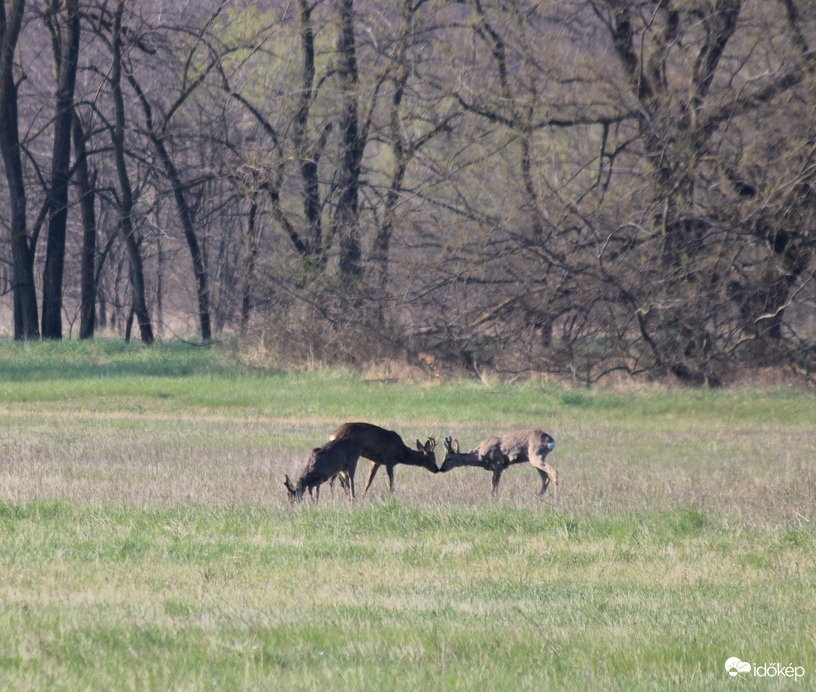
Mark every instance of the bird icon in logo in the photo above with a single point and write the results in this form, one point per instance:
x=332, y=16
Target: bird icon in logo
x=734, y=666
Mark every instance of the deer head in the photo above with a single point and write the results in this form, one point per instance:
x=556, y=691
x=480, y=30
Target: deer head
x=451, y=454
x=428, y=456
x=294, y=495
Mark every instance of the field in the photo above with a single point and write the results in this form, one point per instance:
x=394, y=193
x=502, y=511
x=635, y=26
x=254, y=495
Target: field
x=146, y=541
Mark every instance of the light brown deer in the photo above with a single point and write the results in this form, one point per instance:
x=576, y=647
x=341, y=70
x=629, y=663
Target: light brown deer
x=335, y=458
x=498, y=452
x=386, y=448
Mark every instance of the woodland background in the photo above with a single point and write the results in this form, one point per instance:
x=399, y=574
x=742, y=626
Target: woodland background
x=580, y=187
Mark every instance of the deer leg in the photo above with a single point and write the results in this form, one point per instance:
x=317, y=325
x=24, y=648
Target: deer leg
x=350, y=483
x=389, y=469
x=497, y=472
x=548, y=473
x=341, y=476
x=545, y=481
x=371, y=473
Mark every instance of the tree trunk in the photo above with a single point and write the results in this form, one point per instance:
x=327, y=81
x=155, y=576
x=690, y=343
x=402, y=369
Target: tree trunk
x=308, y=153
x=25, y=296
x=186, y=217
x=159, y=288
x=182, y=207
x=253, y=238
x=137, y=283
x=345, y=226
x=401, y=152
x=65, y=35
x=87, y=205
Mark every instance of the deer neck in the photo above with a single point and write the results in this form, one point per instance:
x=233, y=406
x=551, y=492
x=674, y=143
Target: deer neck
x=471, y=458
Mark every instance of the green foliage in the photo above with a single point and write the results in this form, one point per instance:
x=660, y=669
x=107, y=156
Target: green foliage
x=257, y=46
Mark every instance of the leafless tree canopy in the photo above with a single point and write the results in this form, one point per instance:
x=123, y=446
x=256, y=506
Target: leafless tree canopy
x=570, y=186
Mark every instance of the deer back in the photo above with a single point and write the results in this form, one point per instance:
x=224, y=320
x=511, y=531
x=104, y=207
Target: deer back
x=522, y=445
x=327, y=461
x=386, y=446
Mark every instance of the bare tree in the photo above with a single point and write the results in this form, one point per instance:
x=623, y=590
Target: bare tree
x=403, y=136
x=156, y=129
x=87, y=205
x=25, y=299
x=582, y=187
x=137, y=281
x=62, y=21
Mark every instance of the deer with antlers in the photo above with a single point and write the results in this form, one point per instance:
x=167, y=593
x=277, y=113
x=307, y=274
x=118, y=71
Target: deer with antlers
x=386, y=448
x=335, y=458
x=498, y=452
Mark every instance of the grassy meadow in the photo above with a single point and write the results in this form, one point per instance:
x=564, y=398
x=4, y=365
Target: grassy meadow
x=146, y=541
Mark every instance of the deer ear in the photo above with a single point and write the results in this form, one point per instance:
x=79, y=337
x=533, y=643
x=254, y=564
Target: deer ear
x=420, y=447
x=456, y=446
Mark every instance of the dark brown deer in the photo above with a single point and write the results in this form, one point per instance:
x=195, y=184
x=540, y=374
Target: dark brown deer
x=335, y=458
x=498, y=452
x=386, y=448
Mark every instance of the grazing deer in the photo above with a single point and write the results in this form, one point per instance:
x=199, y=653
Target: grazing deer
x=497, y=452
x=386, y=448
x=335, y=458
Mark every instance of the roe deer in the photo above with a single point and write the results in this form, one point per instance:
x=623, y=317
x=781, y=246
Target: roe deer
x=335, y=458
x=497, y=452
x=385, y=447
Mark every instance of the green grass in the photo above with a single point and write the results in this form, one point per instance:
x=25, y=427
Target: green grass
x=385, y=595
x=146, y=542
